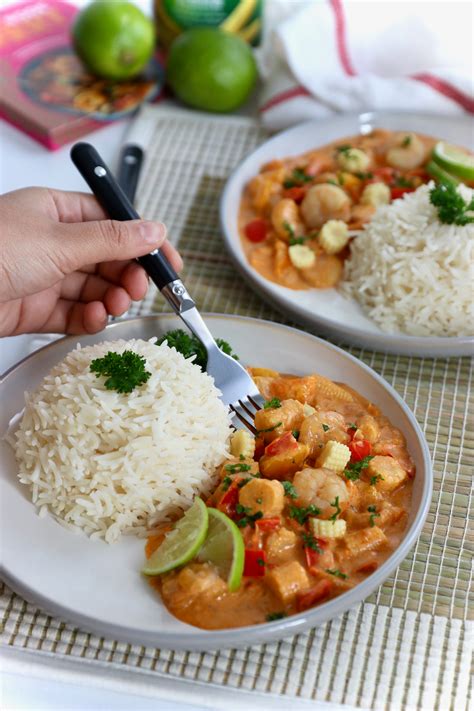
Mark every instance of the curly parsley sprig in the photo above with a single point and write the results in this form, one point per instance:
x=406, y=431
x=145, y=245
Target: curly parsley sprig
x=451, y=206
x=124, y=371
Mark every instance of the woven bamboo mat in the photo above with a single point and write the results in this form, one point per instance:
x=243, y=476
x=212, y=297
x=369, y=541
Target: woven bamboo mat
x=409, y=646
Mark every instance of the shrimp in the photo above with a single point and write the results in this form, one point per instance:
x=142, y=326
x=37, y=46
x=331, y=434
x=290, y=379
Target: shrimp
x=320, y=428
x=325, y=202
x=408, y=154
x=286, y=219
x=321, y=487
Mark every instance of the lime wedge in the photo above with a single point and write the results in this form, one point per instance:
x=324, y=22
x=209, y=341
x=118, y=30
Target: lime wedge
x=224, y=547
x=442, y=176
x=182, y=543
x=454, y=160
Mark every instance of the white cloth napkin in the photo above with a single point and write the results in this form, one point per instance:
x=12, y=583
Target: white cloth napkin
x=331, y=56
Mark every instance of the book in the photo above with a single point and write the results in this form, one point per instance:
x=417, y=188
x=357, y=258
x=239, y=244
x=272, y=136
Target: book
x=45, y=89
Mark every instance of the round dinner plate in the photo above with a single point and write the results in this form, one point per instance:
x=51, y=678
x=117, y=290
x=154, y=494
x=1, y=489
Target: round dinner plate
x=98, y=586
x=327, y=309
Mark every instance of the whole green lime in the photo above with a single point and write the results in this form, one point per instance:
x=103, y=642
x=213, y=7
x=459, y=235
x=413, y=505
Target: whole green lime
x=114, y=39
x=211, y=69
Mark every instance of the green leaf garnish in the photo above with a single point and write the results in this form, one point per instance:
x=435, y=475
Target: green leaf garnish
x=373, y=514
x=290, y=489
x=273, y=403
x=452, y=209
x=335, y=504
x=309, y=541
x=354, y=469
x=275, y=616
x=188, y=345
x=237, y=467
x=337, y=573
x=124, y=371
x=301, y=513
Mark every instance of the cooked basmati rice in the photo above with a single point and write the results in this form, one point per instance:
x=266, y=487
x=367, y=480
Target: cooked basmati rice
x=110, y=463
x=410, y=272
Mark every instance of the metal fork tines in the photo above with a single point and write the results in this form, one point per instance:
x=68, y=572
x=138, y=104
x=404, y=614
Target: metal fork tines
x=245, y=410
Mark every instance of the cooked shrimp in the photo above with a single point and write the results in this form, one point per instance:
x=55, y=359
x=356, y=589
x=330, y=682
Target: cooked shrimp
x=286, y=218
x=323, y=203
x=320, y=487
x=408, y=154
x=320, y=428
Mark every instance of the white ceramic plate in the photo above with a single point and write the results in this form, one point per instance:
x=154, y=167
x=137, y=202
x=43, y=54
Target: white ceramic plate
x=98, y=586
x=327, y=310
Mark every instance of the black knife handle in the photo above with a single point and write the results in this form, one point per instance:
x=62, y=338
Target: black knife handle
x=117, y=205
x=130, y=163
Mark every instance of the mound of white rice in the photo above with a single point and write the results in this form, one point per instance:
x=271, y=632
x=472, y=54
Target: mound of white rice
x=110, y=463
x=410, y=272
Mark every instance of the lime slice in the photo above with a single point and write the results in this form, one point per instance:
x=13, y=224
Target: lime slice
x=442, y=176
x=224, y=547
x=182, y=543
x=454, y=160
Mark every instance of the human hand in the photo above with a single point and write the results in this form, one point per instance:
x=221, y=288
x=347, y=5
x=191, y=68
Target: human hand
x=64, y=267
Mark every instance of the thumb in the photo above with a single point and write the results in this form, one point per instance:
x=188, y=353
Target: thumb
x=82, y=243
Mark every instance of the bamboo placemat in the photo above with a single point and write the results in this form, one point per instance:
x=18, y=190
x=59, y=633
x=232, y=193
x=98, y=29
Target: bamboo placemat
x=409, y=646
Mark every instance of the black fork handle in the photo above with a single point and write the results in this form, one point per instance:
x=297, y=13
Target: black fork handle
x=117, y=205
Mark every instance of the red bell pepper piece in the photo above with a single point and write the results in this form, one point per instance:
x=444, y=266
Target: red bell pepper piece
x=386, y=174
x=399, y=192
x=360, y=448
x=255, y=561
x=296, y=193
x=312, y=556
x=256, y=231
x=281, y=444
x=230, y=499
x=317, y=593
x=259, y=448
x=268, y=524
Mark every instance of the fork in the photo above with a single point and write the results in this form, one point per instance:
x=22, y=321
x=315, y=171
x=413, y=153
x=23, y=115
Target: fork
x=238, y=390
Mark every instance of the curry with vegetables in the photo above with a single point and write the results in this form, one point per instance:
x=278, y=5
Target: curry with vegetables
x=318, y=495
x=298, y=215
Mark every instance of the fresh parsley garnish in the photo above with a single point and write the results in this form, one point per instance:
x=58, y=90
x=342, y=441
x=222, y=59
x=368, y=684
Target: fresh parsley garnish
x=375, y=479
x=297, y=240
x=452, y=209
x=337, y=573
x=290, y=489
x=354, y=469
x=401, y=182
x=270, y=429
x=352, y=426
x=247, y=519
x=289, y=229
x=260, y=562
x=275, y=616
x=226, y=482
x=237, y=467
x=373, y=514
x=309, y=541
x=124, y=371
x=325, y=427
x=406, y=141
x=272, y=404
x=295, y=433
x=345, y=148
x=241, y=457
x=189, y=346
x=246, y=481
x=301, y=513
x=298, y=177
x=338, y=510
x=364, y=176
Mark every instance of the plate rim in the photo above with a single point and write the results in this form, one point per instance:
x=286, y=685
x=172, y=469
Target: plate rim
x=430, y=346
x=218, y=639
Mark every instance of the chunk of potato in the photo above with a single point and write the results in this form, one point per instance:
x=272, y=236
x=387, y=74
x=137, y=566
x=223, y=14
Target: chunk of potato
x=287, y=580
x=280, y=466
x=366, y=539
x=281, y=546
x=391, y=472
x=289, y=415
x=265, y=495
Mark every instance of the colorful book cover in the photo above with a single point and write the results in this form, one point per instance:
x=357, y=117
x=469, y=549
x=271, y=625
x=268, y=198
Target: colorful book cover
x=45, y=90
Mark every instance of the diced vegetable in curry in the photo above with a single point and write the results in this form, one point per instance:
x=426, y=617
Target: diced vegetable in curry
x=298, y=214
x=320, y=496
